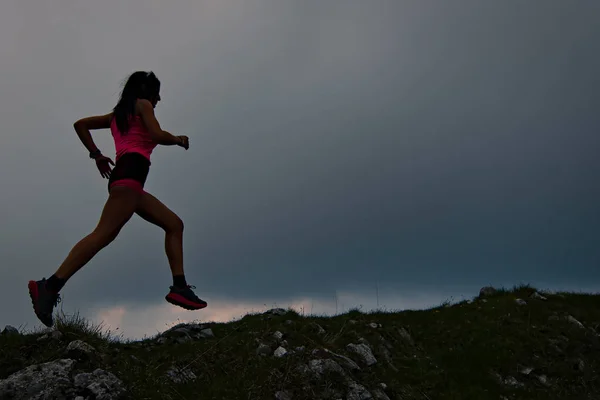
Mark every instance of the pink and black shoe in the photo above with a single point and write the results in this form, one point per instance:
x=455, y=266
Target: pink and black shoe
x=43, y=301
x=184, y=297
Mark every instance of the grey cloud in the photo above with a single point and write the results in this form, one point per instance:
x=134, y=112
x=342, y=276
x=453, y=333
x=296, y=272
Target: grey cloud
x=332, y=145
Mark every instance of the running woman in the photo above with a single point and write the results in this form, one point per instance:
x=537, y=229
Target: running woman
x=136, y=133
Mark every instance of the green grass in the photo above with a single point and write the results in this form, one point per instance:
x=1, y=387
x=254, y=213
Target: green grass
x=455, y=350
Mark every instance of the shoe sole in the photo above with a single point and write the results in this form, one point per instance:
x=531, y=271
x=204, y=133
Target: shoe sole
x=33, y=293
x=188, y=306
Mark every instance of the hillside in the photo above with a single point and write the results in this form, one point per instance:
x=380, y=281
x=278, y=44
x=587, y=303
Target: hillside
x=503, y=344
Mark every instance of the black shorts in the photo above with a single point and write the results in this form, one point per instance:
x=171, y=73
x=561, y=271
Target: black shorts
x=130, y=170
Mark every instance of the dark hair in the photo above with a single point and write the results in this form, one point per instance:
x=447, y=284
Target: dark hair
x=139, y=85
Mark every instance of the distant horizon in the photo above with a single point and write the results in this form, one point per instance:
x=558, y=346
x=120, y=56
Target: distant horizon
x=115, y=319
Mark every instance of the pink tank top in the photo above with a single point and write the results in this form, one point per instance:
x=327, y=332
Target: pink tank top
x=137, y=139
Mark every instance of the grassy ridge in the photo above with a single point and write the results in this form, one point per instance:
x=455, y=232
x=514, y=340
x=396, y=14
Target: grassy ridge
x=467, y=350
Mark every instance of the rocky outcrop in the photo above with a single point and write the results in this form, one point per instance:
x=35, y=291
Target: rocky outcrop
x=183, y=333
x=51, y=380
x=343, y=360
x=303, y=358
x=280, y=352
x=79, y=349
x=100, y=385
x=9, y=330
x=54, y=380
x=353, y=390
x=363, y=353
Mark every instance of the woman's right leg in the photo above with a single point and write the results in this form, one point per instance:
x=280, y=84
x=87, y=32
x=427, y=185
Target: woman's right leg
x=120, y=206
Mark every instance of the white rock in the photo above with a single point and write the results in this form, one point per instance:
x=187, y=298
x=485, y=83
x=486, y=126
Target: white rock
x=80, y=348
x=8, y=329
x=278, y=335
x=179, y=332
x=206, y=333
x=484, y=301
x=280, y=352
x=538, y=296
x=364, y=352
x=344, y=361
x=521, y=302
x=383, y=386
x=102, y=384
x=373, y=325
x=526, y=371
x=41, y=381
x=543, y=380
x=574, y=321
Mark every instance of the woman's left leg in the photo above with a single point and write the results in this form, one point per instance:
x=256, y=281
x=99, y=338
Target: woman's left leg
x=154, y=211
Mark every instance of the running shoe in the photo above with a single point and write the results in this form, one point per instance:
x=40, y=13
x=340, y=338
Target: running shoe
x=185, y=297
x=43, y=301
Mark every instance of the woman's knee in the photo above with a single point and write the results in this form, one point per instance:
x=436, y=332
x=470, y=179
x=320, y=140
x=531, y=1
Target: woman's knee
x=175, y=225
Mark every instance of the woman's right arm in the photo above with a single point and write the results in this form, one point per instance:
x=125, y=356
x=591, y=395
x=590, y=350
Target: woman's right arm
x=146, y=111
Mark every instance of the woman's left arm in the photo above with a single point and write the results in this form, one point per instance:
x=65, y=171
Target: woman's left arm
x=84, y=125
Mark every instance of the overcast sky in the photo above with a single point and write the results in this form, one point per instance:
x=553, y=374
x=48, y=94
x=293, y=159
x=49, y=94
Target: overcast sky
x=418, y=150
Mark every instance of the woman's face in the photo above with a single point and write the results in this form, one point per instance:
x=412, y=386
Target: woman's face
x=155, y=100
